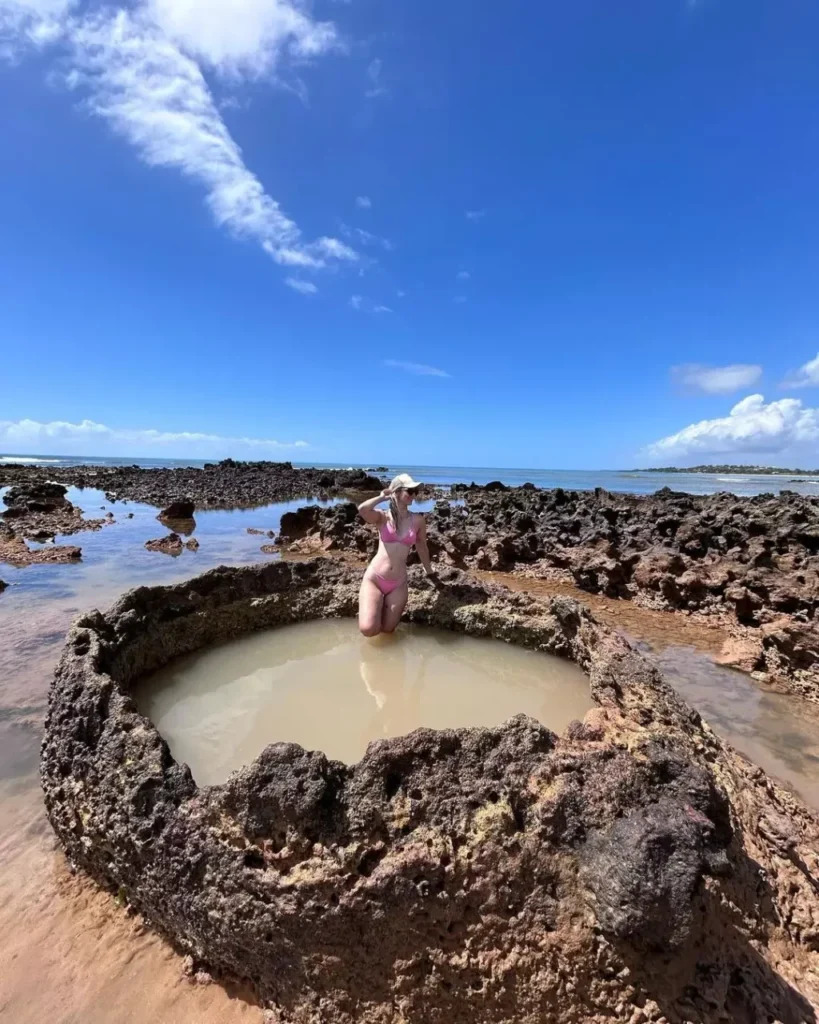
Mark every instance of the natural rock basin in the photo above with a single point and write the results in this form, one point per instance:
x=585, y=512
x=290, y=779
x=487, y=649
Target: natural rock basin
x=633, y=869
x=324, y=686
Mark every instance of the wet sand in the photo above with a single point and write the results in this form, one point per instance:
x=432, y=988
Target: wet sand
x=68, y=952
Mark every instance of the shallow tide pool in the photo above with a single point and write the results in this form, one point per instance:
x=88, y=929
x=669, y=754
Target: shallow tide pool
x=324, y=686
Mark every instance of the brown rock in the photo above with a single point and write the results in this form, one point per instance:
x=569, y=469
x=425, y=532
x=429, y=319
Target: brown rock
x=634, y=869
x=16, y=552
x=183, y=508
x=192, y=544
x=168, y=545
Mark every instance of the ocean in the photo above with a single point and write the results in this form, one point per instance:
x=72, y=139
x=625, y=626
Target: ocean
x=628, y=481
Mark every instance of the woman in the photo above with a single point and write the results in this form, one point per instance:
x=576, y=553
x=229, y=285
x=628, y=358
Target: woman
x=383, y=595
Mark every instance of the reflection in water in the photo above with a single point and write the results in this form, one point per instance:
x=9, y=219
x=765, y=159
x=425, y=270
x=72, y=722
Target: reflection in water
x=219, y=708
x=777, y=732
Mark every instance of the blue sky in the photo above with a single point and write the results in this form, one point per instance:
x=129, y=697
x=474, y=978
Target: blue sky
x=546, y=235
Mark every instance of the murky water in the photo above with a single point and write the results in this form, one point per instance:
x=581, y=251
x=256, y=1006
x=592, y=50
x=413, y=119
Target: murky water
x=776, y=731
x=324, y=686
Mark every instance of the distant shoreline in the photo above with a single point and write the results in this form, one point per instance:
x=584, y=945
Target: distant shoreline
x=743, y=470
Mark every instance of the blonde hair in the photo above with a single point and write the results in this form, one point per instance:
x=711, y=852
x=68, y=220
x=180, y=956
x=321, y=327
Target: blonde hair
x=397, y=483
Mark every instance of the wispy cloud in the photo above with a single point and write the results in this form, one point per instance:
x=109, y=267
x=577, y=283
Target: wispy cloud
x=363, y=237
x=475, y=215
x=418, y=369
x=58, y=437
x=400, y=294
x=459, y=299
x=807, y=376
x=752, y=426
x=305, y=287
x=363, y=202
x=716, y=380
x=358, y=302
x=463, y=275
x=374, y=69
x=138, y=68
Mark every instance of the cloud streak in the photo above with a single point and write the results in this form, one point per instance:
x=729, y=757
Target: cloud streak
x=304, y=287
x=374, y=69
x=417, y=369
x=138, y=70
x=752, y=426
x=58, y=437
x=716, y=380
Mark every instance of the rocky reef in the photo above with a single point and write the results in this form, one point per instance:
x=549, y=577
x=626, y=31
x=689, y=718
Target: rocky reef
x=634, y=869
x=39, y=511
x=753, y=562
x=226, y=484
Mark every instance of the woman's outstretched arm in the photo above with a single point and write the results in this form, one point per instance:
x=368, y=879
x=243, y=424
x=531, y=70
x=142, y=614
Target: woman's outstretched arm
x=369, y=513
x=422, y=547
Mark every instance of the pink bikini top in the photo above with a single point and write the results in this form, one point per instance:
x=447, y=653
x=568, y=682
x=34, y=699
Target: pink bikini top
x=389, y=536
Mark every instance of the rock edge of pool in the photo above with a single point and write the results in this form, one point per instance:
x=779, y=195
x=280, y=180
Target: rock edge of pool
x=634, y=869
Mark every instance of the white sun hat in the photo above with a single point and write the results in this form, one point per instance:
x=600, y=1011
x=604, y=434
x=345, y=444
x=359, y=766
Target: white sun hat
x=404, y=482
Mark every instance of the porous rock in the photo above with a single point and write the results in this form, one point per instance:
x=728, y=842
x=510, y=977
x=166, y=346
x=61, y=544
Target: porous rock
x=635, y=868
x=171, y=544
x=225, y=484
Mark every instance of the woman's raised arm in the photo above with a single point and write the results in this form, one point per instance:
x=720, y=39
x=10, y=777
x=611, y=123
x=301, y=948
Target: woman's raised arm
x=369, y=513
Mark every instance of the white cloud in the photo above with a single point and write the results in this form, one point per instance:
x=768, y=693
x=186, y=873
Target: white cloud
x=751, y=427
x=807, y=376
x=30, y=23
x=30, y=437
x=305, y=287
x=419, y=369
x=363, y=202
x=463, y=275
x=136, y=69
x=475, y=215
x=357, y=301
x=381, y=309
x=400, y=294
x=245, y=36
x=374, y=69
x=716, y=380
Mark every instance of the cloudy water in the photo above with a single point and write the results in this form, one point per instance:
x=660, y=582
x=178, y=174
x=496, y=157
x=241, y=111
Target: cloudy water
x=324, y=686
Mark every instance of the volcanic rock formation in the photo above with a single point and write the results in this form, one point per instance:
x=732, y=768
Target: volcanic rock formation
x=633, y=869
x=226, y=484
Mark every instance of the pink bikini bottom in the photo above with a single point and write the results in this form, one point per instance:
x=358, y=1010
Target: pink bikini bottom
x=384, y=585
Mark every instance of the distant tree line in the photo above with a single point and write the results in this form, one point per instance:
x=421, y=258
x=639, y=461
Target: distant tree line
x=759, y=470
